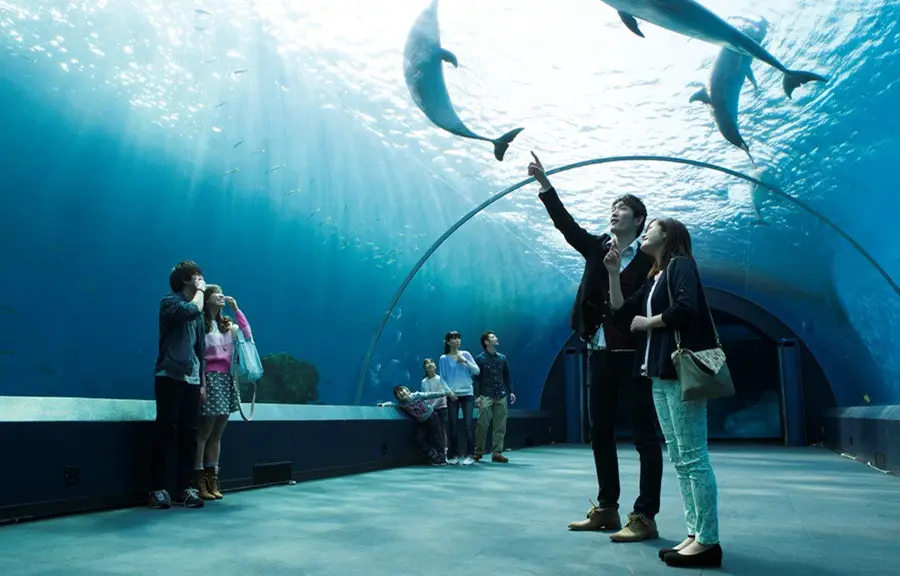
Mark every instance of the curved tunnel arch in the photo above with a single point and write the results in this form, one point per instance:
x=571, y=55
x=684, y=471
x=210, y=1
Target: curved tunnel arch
x=771, y=188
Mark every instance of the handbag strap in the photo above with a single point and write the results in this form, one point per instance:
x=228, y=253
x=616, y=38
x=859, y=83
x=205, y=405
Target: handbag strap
x=708, y=311
x=237, y=389
x=234, y=380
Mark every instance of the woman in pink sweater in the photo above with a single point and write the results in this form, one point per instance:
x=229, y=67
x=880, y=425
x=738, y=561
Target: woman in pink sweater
x=219, y=395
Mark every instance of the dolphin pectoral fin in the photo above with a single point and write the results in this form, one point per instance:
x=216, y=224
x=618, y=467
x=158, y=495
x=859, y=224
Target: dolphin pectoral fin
x=752, y=79
x=746, y=149
x=701, y=95
x=449, y=57
x=631, y=23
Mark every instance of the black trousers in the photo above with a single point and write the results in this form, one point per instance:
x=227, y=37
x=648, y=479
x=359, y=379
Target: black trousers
x=430, y=436
x=612, y=374
x=177, y=422
x=467, y=403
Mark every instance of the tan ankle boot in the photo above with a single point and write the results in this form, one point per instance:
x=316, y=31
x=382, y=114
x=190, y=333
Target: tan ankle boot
x=202, y=488
x=212, y=482
x=637, y=528
x=598, y=519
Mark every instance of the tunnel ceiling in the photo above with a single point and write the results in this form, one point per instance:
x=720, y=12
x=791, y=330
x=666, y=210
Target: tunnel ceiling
x=315, y=88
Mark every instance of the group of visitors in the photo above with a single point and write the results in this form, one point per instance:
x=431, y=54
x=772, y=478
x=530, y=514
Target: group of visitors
x=456, y=385
x=639, y=299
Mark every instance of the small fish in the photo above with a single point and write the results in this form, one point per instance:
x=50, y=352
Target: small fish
x=199, y=28
x=294, y=191
x=260, y=151
x=233, y=171
x=211, y=61
x=238, y=143
x=202, y=11
x=220, y=104
x=240, y=71
x=275, y=168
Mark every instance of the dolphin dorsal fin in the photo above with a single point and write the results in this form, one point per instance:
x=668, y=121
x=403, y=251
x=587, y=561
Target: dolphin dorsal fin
x=701, y=95
x=449, y=57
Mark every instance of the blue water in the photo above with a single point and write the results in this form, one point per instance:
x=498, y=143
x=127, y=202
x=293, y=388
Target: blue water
x=124, y=123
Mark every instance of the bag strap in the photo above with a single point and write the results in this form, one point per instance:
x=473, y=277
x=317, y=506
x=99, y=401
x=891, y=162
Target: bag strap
x=237, y=389
x=234, y=380
x=708, y=311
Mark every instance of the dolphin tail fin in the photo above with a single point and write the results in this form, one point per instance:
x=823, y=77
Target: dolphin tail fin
x=502, y=143
x=701, y=95
x=793, y=79
x=760, y=222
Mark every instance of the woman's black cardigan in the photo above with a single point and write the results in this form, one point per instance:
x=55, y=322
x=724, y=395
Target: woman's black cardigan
x=688, y=313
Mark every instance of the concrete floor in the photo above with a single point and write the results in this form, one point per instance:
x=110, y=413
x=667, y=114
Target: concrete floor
x=783, y=512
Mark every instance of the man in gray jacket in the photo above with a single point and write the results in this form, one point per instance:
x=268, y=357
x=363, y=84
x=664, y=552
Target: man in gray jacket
x=179, y=386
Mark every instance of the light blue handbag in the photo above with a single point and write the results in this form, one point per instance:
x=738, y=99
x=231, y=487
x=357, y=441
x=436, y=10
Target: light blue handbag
x=246, y=368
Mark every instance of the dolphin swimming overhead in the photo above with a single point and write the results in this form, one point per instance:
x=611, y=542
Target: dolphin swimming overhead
x=423, y=68
x=723, y=92
x=692, y=19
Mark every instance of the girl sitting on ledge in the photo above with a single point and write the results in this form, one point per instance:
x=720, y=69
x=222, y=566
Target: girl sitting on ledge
x=430, y=432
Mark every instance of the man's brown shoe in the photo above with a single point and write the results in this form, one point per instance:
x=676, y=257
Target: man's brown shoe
x=499, y=458
x=598, y=519
x=638, y=528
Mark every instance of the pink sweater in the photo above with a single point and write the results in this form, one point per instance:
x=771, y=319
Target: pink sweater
x=220, y=347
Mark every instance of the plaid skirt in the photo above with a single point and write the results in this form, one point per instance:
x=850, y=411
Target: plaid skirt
x=221, y=396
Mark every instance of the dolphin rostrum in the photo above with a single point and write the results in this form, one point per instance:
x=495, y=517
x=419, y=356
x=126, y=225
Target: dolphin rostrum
x=423, y=68
x=692, y=19
x=723, y=92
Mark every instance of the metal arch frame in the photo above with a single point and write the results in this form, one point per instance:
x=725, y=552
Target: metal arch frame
x=777, y=191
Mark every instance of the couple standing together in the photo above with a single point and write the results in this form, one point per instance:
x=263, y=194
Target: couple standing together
x=635, y=292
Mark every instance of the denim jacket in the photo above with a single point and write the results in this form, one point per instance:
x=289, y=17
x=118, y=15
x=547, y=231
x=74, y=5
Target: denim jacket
x=181, y=340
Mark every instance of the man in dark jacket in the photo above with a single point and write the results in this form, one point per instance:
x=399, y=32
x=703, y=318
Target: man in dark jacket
x=611, y=352
x=179, y=385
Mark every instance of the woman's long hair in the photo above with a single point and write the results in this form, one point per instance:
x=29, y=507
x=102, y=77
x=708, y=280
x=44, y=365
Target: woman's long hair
x=224, y=322
x=450, y=336
x=677, y=244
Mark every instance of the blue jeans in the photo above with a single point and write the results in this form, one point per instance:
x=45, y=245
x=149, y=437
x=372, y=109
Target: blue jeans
x=684, y=427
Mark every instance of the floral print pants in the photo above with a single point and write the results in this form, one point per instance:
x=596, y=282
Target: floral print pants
x=684, y=427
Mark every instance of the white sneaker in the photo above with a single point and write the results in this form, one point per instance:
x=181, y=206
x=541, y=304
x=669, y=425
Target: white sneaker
x=468, y=461
x=453, y=461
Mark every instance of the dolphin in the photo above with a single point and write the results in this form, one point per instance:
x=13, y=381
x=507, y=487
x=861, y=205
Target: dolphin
x=692, y=19
x=423, y=68
x=723, y=92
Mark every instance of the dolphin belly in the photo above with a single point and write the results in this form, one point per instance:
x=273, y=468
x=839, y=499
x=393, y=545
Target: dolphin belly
x=723, y=92
x=423, y=69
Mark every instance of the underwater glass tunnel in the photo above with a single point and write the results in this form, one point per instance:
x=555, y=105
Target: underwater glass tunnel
x=278, y=145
